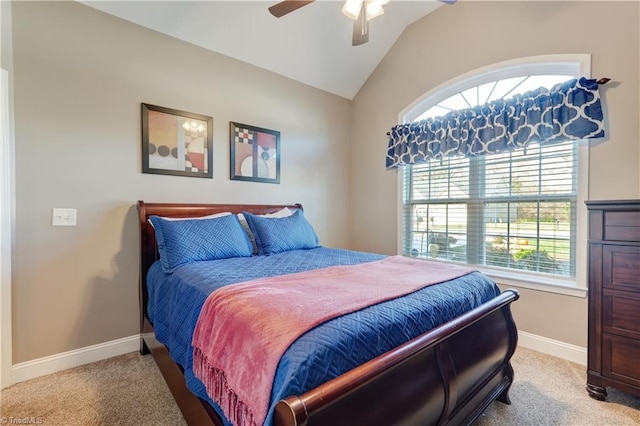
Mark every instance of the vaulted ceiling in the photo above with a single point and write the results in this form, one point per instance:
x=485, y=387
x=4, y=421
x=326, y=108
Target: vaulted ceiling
x=311, y=45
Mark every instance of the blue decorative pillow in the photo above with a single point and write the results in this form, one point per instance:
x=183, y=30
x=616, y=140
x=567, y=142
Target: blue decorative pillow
x=275, y=235
x=191, y=240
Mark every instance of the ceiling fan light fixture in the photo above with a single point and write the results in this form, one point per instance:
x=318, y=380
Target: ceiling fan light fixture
x=374, y=9
x=351, y=8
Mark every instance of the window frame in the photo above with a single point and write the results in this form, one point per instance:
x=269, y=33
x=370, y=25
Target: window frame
x=570, y=64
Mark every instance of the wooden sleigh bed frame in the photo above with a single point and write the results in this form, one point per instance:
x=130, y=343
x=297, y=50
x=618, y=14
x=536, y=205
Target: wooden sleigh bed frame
x=448, y=375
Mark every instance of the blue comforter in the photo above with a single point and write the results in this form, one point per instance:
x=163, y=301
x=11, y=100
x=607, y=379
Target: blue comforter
x=325, y=352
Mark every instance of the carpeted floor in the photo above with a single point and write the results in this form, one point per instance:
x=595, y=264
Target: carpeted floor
x=551, y=391
x=129, y=390
x=125, y=390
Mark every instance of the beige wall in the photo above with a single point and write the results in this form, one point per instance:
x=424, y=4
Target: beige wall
x=80, y=76
x=469, y=35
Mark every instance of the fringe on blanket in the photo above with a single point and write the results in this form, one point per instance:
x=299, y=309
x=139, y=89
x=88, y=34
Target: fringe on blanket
x=236, y=411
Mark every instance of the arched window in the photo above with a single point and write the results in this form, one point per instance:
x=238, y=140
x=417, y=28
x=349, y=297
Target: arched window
x=516, y=213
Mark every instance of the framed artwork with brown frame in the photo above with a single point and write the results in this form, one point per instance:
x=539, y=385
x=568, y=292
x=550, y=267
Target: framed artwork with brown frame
x=176, y=142
x=255, y=153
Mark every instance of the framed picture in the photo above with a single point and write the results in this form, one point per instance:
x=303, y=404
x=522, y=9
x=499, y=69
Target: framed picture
x=176, y=142
x=255, y=153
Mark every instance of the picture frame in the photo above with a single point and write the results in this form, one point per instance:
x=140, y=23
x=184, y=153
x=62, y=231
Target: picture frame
x=255, y=153
x=176, y=142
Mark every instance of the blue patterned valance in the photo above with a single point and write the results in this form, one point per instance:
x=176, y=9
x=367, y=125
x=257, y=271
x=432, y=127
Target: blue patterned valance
x=569, y=111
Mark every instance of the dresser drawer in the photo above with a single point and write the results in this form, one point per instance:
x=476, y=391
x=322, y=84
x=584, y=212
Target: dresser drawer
x=621, y=313
x=622, y=226
x=621, y=267
x=620, y=357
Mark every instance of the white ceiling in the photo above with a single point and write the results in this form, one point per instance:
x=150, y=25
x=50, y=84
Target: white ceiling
x=311, y=45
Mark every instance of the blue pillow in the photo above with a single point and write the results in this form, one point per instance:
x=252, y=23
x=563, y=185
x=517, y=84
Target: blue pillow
x=275, y=235
x=191, y=240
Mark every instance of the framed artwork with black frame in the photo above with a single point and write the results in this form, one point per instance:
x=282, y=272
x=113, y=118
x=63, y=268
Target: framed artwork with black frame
x=255, y=153
x=176, y=142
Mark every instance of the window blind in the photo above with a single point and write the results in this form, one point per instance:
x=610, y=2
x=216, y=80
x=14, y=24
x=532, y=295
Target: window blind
x=514, y=210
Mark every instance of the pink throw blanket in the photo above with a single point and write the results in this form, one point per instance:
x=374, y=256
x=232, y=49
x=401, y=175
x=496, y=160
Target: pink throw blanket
x=244, y=329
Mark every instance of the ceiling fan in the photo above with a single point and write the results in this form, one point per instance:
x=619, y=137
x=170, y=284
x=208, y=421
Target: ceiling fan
x=360, y=11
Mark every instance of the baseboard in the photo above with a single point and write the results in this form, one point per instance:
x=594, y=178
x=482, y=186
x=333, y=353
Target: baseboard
x=75, y=358
x=54, y=363
x=556, y=348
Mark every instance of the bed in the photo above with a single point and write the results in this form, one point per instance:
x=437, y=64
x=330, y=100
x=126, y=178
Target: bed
x=448, y=374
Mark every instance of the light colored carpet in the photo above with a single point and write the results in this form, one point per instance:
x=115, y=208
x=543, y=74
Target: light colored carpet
x=551, y=391
x=125, y=390
x=129, y=390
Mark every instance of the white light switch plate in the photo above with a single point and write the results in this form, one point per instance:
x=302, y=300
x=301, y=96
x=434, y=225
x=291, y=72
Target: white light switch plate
x=63, y=217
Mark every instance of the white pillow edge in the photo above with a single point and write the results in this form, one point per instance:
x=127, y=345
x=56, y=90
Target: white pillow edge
x=210, y=216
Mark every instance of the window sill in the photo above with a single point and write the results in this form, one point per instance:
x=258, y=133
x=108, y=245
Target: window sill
x=544, y=283
x=538, y=282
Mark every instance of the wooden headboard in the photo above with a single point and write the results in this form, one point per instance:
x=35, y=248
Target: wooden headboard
x=148, y=249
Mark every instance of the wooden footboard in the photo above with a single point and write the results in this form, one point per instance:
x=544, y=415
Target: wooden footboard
x=447, y=375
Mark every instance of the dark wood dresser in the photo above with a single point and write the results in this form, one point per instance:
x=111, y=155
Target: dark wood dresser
x=614, y=297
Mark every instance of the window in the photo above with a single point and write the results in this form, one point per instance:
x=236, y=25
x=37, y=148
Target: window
x=517, y=211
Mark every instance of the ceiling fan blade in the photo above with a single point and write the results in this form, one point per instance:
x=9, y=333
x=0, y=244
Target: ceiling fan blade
x=361, y=28
x=280, y=9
